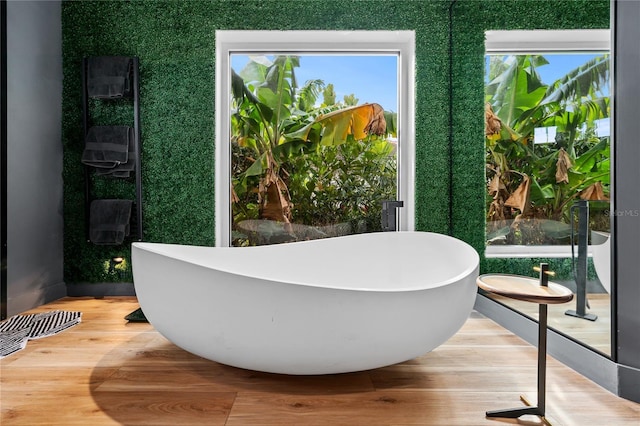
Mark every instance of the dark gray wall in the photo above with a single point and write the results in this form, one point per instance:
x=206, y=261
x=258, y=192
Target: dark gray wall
x=34, y=154
x=627, y=182
x=3, y=158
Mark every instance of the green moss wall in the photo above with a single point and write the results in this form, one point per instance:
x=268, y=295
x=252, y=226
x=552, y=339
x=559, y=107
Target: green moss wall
x=175, y=41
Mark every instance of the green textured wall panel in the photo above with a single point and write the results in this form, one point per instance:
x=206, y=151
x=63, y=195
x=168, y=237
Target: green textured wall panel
x=175, y=41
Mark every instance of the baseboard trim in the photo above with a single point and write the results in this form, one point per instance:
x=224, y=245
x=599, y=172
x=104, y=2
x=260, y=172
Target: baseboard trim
x=100, y=289
x=629, y=382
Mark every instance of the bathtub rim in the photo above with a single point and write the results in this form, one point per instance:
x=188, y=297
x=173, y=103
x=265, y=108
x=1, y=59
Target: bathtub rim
x=469, y=269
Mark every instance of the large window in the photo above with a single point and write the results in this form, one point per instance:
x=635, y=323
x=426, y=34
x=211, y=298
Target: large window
x=547, y=108
x=548, y=159
x=314, y=131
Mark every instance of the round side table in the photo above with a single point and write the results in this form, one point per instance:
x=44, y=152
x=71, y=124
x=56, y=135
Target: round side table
x=539, y=291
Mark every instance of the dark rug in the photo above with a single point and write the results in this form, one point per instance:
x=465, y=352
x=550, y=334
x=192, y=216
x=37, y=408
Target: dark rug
x=136, y=316
x=19, y=329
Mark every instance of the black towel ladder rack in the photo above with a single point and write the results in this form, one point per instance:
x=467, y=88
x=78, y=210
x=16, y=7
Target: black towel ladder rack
x=136, y=216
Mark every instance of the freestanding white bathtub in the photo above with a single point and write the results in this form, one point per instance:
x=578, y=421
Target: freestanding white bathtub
x=315, y=307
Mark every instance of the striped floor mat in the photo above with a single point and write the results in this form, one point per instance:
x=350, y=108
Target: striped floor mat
x=17, y=330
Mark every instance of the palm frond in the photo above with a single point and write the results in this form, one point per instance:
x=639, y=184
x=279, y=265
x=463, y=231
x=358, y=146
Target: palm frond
x=581, y=81
x=309, y=93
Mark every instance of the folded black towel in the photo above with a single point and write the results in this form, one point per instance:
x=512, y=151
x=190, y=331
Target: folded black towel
x=109, y=221
x=122, y=170
x=109, y=76
x=107, y=146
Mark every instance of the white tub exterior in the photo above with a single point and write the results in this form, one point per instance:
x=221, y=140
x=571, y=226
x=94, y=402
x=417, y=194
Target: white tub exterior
x=316, y=307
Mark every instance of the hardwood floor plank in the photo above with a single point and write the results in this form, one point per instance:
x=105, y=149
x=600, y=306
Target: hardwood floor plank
x=70, y=407
x=487, y=356
x=369, y=408
x=124, y=408
x=511, y=379
x=52, y=379
x=167, y=407
x=211, y=376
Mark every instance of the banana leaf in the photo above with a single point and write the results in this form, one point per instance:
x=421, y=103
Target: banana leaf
x=585, y=162
x=358, y=121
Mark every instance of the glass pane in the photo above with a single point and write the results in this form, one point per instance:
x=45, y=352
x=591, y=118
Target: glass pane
x=313, y=145
x=548, y=149
x=548, y=145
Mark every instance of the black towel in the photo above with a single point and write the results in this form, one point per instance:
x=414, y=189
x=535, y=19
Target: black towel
x=107, y=146
x=109, y=76
x=109, y=221
x=122, y=170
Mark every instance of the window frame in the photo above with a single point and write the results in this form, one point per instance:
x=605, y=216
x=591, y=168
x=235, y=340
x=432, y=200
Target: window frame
x=522, y=42
x=315, y=42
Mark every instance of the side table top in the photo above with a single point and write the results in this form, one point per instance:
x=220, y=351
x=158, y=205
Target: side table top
x=524, y=288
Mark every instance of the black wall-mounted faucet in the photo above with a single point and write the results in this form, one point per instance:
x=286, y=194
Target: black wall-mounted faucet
x=389, y=207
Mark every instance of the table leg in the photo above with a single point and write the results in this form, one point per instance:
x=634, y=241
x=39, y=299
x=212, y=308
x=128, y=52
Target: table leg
x=539, y=410
x=514, y=413
x=542, y=356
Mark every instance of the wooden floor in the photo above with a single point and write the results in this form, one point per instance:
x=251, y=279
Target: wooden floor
x=106, y=371
x=596, y=334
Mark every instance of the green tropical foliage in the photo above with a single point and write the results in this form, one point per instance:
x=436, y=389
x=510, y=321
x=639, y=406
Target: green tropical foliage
x=345, y=183
x=531, y=187
x=290, y=157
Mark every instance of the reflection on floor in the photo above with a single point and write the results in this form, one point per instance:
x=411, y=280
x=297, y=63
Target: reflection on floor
x=596, y=334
